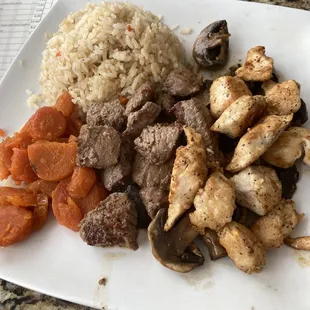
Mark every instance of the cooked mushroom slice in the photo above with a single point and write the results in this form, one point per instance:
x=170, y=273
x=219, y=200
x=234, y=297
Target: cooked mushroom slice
x=188, y=175
x=283, y=98
x=174, y=249
x=277, y=224
x=301, y=116
x=211, y=46
x=244, y=216
x=300, y=243
x=211, y=240
x=224, y=91
x=257, y=67
x=244, y=249
x=240, y=115
x=288, y=148
x=257, y=140
x=214, y=204
x=258, y=188
x=288, y=178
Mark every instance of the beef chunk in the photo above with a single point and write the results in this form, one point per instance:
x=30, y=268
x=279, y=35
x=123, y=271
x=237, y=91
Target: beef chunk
x=132, y=191
x=98, y=146
x=116, y=176
x=154, y=199
x=140, y=119
x=108, y=113
x=196, y=115
x=143, y=94
x=204, y=95
x=301, y=116
x=166, y=101
x=157, y=143
x=148, y=175
x=182, y=83
x=288, y=178
x=112, y=223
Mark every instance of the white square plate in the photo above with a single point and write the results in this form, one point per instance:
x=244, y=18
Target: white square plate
x=55, y=261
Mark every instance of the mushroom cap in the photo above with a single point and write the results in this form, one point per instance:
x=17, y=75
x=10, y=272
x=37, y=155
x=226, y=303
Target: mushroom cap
x=167, y=247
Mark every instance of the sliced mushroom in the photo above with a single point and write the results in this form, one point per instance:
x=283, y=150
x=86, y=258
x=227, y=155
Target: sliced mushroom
x=301, y=116
x=174, y=249
x=188, y=175
x=289, y=147
x=211, y=240
x=211, y=46
x=257, y=140
x=300, y=243
x=288, y=178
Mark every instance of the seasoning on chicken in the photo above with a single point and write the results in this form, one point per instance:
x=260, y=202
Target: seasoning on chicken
x=288, y=148
x=277, y=224
x=182, y=83
x=188, y=175
x=141, y=96
x=240, y=115
x=283, y=98
x=224, y=91
x=244, y=249
x=257, y=67
x=157, y=143
x=257, y=140
x=214, y=204
x=258, y=188
x=98, y=146
x=112, y=223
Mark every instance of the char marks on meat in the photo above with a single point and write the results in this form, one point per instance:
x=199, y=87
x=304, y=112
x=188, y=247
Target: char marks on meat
x=194, y=114
x=108, y=113
x=143, y=94
x=112, y=223
x=157, y=143
x=149, y=175
x=141, y=118
x=98, y=146
x=182, y=83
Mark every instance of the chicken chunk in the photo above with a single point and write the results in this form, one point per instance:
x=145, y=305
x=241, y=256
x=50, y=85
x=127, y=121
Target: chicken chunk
x=257, y=67
x=224, y=91
x=240, y=115
x=258, y=188
x=257, y=140
x=277, y=224
x=215, y=204
x=188, y=175
x=289, y=147
x=300, y=243
x=112, y=223
x=244, y=249
x=283, y=98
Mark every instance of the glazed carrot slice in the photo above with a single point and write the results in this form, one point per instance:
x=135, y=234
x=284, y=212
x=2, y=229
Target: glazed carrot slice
x=40, y=212
x=17, y=197
x=52, y=161
x=20, y=167
x=15, y=224
x=19, y=140
x=82, y=181
x=42, y=187
x=2, y=133
x=47, y=123
x=5, y=159
x=64, y=104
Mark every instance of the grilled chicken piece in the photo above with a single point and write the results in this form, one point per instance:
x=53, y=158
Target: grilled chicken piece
x=257, y=140
x=258, y=188
x=240, y=115
x=289, y=147
x=215, y=204
x=300, y=243
x=188, y=175
x=224, y=91
x=257, y=67
x=283, y=98
x=244, y=249
x=277, y=224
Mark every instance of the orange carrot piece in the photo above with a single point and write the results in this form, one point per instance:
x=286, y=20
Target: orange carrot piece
x=17, y=197
x=47, y=123
x=123, y=100
x=20, y=140
x=40, y=212
x=82, y=181
x=15, y=224
x=2, y=133
x=42, y=187
x=52, y=161
x=5, y=158
x=64, y=104
x=20, y=167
